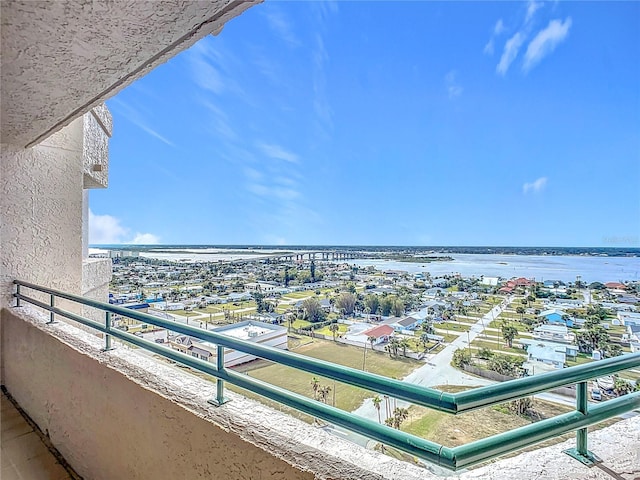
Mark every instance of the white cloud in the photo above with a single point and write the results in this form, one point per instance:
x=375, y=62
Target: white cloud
x=281, y=26
x=497, y=30
x=145, y=239
x=545, y=42
x=276, y=151
x=532, y=7
x=510, y=52
x=535, y=186
x=453, y=86
x=135, y=117
x=107, y=230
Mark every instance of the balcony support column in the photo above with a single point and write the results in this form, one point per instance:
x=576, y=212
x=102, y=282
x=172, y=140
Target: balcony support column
x=581, y=452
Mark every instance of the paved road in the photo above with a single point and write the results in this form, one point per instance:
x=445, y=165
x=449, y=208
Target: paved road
x=438, y=370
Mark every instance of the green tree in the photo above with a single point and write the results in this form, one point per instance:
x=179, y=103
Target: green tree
x=520, y=310
x=372, y=303
x=260, y=303
x=312, y=309
x=376, y=403
x=334, y=329
x=393, y=346
x=399, y=416
x=461, y=357
x=509, y=332
x=346, y=303
x=398, y=307
x=404, y=344
x=505, y=364
x=485, y=353
x=315, y=386
x=594, y=338
x=386, y=304
x=622, y=387
x=312, y=271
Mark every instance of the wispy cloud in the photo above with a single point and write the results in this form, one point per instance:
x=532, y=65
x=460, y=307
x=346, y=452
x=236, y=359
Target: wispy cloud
x=107, y=230
x=280, y=24
x=277, y=152
x=497, y=30
x=135, y=117
x=510, y=52
x=214, y=68
x=532, y=8
x=513, y=44
x=545, y=42
x=535, y=186
x=454, y=89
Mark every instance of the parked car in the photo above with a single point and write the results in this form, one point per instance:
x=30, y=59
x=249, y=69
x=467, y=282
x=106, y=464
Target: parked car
x=596, y=395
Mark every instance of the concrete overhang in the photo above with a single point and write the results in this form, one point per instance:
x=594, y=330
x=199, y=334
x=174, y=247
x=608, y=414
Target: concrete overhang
x=61, y=58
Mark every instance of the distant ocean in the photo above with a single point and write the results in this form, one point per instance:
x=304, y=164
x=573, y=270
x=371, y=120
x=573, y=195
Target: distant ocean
x=557, y=263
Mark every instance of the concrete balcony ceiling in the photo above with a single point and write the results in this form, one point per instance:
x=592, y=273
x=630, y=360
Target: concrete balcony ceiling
x=60, y=59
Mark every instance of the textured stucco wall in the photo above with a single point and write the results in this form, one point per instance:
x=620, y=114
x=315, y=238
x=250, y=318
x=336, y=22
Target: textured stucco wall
x=60, y=58
x=96, y=275
x=97, y=130
x=41, y=212
x=120, y=414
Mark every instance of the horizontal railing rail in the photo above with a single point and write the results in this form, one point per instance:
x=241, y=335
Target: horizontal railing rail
x=452, y=403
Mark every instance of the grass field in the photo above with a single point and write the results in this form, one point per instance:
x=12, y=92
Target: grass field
x=347, y=397
x=325, y=330
x=457, y=430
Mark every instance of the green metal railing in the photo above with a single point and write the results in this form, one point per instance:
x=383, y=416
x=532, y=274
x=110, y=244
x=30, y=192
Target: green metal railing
x=453, y=403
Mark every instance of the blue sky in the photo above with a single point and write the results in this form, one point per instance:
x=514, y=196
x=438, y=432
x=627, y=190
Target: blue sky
x=379, y=123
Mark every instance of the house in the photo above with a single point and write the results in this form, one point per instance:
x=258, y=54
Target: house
x=547, y=355
x=266, y=317
x=169, y=306
x=325, y=304
x=251, y=330
x=569, y=350
x=627, y=318
x=380, y=333
x=262, y=287
x=407, y=323
x=634, y=332
x=615, y=286
x=554, y=316
x=554, y=333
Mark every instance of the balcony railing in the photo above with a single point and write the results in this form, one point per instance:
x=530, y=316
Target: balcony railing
x=453, y=458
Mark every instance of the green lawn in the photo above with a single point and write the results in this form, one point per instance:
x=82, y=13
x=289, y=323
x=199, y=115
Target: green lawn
x=300, y=295
x=299, y=323
x=454, y=326
x=494, y=345
x=185, y=313
x=347, y=397
x=325, y=330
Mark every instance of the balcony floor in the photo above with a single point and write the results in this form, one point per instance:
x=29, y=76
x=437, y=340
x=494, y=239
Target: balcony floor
x=24, y=455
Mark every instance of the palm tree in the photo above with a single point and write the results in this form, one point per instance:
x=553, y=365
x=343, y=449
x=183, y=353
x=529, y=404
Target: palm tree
x=376, y=403
x=334, y=328
x=371, y=340
x=324, y=393
x=399, y=416
x=509, y=332
x=404, y=344
x=315, y=385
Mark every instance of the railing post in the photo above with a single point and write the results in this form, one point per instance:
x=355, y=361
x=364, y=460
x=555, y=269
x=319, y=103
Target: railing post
x=581, y=452
x=17, y=295
x=52, y=316
x=220, y=399
x=107, y=326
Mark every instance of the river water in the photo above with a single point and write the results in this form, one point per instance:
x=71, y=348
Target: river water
x=540, y=267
